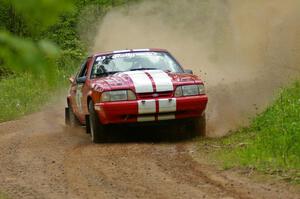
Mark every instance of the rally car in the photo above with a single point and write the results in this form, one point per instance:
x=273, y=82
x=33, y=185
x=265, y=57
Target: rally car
x=131, y=87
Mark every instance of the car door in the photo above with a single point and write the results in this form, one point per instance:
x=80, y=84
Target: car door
x=82, y=88
x=77, y=89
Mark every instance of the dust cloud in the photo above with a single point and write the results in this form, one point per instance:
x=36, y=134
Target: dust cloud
x=244, y=50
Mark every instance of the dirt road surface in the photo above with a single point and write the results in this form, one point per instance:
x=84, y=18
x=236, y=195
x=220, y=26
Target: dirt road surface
x=41, y=158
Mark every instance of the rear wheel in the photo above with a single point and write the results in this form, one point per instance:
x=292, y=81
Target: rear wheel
x=97, y=130
x=199, y=126
x=67, y=116
x=70, y=118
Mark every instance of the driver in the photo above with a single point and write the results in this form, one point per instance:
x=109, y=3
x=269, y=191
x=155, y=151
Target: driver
x=140, y=63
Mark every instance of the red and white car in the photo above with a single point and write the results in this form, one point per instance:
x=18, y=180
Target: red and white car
x=134, y=86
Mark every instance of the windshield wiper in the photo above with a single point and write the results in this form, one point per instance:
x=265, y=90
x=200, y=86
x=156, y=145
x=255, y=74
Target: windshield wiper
x=136, y=69
x=113, y=72
x=107, y=73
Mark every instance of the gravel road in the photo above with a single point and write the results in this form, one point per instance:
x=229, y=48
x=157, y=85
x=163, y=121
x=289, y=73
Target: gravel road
x=41, y=158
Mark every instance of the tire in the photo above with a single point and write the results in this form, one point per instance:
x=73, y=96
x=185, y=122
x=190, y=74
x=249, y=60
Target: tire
x=70, y=118
x=87, y=124
x=199, y=127
x=98, y=131
x=67, y=117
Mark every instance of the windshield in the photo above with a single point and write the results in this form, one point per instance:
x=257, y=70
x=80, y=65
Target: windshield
x=133, y=61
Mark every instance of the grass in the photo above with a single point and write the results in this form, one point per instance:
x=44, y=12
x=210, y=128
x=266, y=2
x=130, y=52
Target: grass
x=3, y=196
x=23, y=94
x=272, y=142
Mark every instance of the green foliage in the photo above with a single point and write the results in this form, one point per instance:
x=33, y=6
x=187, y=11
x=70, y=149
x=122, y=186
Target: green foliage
x=29, y=29
x=277, y=143
x=12, y=21
x=272, y=142
x=3, y=196
x=4, y=72
x=25, y=94
x=40, y=42
x=40, y=14
x=103, y=3
x=23, y=55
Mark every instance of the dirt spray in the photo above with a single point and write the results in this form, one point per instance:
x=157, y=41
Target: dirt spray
x=244, y=50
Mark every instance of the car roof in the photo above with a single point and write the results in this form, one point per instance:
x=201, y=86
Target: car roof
x=129, y=51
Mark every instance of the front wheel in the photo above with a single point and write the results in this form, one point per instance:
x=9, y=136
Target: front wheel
x=199, y=126
x=97, y=130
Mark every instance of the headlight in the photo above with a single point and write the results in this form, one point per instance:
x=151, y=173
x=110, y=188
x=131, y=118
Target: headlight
x=190, y=90
x=201, y=89
x=121, y=95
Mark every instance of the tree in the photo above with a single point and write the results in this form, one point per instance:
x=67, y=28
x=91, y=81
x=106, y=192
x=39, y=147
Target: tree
x=22, y=48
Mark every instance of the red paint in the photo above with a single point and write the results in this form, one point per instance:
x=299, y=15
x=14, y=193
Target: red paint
x=127, y=111
x=152, y=81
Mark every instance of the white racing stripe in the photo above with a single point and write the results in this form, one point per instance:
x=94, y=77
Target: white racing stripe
x=146, y=118
x=147, y=106
x=166, y=117
x=162, y=80
x=167, y=105
x=143, y=84
x=141, y=81
x=164, y=106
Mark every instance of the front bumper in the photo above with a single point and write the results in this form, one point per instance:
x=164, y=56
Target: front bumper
x=151, y=110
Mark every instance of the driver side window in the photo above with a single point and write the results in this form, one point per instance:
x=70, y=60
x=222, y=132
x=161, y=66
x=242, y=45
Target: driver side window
x=83, y=70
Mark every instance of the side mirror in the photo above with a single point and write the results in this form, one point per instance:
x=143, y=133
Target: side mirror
x=81, y=80
x=72, y=79
x=188, y=71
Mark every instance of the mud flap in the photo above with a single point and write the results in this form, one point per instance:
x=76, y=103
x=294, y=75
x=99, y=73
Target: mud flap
x=87, y=124
x=67, y=116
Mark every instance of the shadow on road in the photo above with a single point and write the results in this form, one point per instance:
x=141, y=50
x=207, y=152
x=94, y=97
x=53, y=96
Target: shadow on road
x=140, y=134
x=148, y=134
x=144, y=133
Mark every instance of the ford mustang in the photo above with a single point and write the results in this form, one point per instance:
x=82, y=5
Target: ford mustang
x=134, y=86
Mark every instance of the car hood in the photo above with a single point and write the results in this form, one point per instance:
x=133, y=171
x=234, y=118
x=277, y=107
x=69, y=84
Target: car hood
x=147, y=81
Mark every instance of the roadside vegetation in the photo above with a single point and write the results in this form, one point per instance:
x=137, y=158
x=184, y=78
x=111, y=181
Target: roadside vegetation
x=3, y=196
x=271, y=144
x=41, y=47
x=27, y=93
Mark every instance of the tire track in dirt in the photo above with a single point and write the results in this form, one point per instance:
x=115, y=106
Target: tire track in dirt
x=197, y=175
x=224, y=184
x=132, y=174
x=40, y=158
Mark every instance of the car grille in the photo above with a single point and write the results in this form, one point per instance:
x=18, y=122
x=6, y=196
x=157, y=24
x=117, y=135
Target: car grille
x=155, y=95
